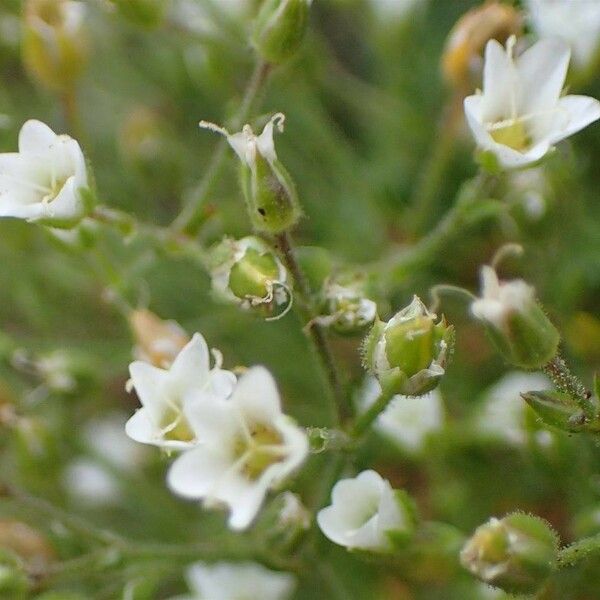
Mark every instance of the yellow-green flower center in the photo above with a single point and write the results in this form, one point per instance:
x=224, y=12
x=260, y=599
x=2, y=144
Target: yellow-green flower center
x=511, y=133
x=174, y=425
x=260, y=448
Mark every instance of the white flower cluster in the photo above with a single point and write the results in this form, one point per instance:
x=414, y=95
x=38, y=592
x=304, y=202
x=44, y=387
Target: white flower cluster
x=236, y=442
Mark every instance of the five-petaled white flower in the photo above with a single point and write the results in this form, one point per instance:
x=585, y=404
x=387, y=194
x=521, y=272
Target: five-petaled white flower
x=578, y=25
x=248, y=446
x=500, y=299
x=237, y=581
x=165, y=395
x=45, y=179
x=520, y=114
x=365, y=513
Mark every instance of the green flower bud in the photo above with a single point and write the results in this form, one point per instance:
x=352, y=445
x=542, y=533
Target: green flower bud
x=560, y=410
x=269, y=191
x=409, y=353
x=248, y=272
x=348, y=311
x=516, y=553
x=147, y=13
x=55, y=44
x=515, y=322
x=280, y=28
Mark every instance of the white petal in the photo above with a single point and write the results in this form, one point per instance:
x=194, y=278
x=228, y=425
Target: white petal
x=579, y=112
x=148, y=382
x=257, y=396
x=190, y=368
x=245, y=498
x=67, y=205
x=222, y=383
x=499, y=79
x=296, y=443
x=213, y=419
x=141, y=428
x=542, y=71
x=195, y=473
x=391, y=515
x=265, y=143
x=36, y=138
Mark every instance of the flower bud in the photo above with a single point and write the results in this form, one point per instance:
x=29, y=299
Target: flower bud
x=348, y=311
x=248, y=272
x=147, y=13
x=408, y=354
x=269, y=191
x=515, y=322
x=516, y=553
x=463, y=54
x=55, y=46
x=280, y=27
x=158, y=342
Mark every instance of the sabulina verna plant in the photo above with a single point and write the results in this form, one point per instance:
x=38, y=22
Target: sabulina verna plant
x=516, y=553
x=408, y=354
x=514, y=321
x=269, y=191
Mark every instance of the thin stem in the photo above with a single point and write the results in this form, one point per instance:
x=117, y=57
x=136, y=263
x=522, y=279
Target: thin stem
x=577, y=551
x=366, y=419
x=316, y=331
x=190, y=218
x=472, y=205
x=426, y=190
x=565, y=381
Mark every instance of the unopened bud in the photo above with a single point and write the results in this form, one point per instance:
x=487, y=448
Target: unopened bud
x=268, y=188
x=147, y=13
x=516, y=553
x=463, y=55
x=515, y=322
x=348, y=311
x=248, y=272
x=55, y=45
x=409, y=353
x=157, y=342
x=280, y=28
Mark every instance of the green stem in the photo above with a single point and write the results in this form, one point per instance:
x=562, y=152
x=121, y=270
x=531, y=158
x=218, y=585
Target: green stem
x=577, y=551
x=316, y=331
x=472, y=205
x=365, y=420
x=426, y=190
x=191, y=217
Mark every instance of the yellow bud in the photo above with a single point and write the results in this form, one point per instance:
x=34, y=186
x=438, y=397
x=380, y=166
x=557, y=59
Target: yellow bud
x=55, y=44
x=157, y=341
x=470, y=34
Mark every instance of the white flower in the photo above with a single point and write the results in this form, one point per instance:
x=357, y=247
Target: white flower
x=407, y=421
x=248, y=447
x=520, y=114
x=364, y=513
x=501, y=298
x=578, y=25
x=44, y=180
x=237, y=581
x=503, y=414
x=249, y=146
x=164, y=394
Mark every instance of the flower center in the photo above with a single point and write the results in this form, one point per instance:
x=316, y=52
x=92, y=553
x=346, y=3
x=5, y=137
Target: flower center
x=511, y=133
x=174, y=425
x=258, y=449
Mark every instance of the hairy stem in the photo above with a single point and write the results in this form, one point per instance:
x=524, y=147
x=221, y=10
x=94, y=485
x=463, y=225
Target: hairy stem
x=577, y=551
x=190, y=218
x=316, y=331
x=365, y=420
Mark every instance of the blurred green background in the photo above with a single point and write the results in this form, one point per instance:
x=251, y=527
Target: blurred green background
x=363, y=100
